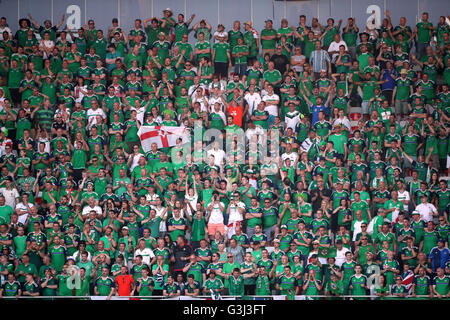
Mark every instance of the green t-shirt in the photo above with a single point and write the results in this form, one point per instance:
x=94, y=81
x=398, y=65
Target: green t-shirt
x=268, y=44
x=221, y=50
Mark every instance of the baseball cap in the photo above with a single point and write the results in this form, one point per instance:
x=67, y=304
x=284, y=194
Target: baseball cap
x=4, y=130
x=284, y=227
x=168, y=9
x=339, y=241
x=125, y=228
x=415, y=212
x=268, y=20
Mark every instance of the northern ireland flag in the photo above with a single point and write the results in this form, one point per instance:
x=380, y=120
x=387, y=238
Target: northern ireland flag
x=163, y=136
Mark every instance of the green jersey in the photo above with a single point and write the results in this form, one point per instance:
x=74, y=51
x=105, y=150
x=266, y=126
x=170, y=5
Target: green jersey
x=236, y=285
x=221, y=51
x=262, y=285
x=11, y=289
x=422, y=285
x=216, y=285
x=442, y=284
x=358, y=284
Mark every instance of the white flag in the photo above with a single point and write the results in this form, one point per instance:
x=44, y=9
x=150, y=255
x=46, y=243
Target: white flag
x=163, y=136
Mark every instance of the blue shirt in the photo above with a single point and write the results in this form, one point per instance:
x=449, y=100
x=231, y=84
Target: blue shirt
x=439, y=257
x=315, y=112
x=391, y=83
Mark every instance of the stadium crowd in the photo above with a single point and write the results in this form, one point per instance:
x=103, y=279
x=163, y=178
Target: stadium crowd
x=356, y=204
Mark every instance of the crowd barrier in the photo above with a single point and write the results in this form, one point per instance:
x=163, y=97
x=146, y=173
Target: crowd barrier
x=241, y=298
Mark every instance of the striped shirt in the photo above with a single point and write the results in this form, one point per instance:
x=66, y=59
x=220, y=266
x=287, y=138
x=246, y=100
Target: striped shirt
x=319, y=60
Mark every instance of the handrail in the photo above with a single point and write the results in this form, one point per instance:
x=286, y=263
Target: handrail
x=205, y=297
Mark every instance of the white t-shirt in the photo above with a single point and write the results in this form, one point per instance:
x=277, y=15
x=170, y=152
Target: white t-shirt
x=292, y=119
x=235, y=215
x=201, y=101
x=340, y=256
x=293, y=156
x=93, y=113
x=47, y=44
x=251, y=132
x=343, y=122
x=221, y=85
x=253, y=100
x=404, y=196
x=218, y=154
x=147, y=255
x=220, y=34
x=192, y=90
x=212, y=101
x=3, y=30
x=139, y=113
x=426, y=211
x=193, y=201
x=10, y=196
x=271, y=108
x=216, y=214
x=23, y=208
x=334, y=46
x=357, y=228
x=151, y=197
x=87, y=210
x=80, y=94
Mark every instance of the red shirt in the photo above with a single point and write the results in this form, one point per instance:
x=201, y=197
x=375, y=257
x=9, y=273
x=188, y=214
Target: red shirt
x=236, y=113
x=123, y=283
